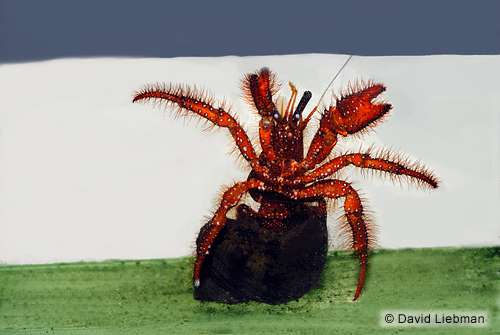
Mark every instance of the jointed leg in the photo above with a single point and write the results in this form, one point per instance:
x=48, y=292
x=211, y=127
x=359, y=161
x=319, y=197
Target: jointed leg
x=201, y=105
x=190, y=100
x=230, y=199
x=354, y=215
x=420, y=174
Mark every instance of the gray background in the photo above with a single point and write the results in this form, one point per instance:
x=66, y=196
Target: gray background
x=32, y=30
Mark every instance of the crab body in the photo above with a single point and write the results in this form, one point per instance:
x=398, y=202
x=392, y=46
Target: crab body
x=290, y=184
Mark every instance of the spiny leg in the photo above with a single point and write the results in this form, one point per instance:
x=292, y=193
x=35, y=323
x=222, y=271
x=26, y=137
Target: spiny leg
x=189, y=100
x=393, y=165
x=322, y=144
x=230, y=199
x=354, y=214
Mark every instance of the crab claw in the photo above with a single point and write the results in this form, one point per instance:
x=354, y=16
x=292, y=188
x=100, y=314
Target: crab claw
x=356, y=111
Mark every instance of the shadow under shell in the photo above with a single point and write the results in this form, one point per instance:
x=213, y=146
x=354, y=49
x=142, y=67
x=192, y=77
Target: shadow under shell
x=250, y=262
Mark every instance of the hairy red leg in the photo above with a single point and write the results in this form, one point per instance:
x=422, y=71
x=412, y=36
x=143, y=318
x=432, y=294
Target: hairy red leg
x=191, y=102
x=422, y=175
x=354, y=215
x=322, y=144
x=230, y=199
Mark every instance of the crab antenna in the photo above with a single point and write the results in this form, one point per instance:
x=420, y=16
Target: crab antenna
x=291, y=102
x=321, y=98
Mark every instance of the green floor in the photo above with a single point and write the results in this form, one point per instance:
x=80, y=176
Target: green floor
x=155, y=297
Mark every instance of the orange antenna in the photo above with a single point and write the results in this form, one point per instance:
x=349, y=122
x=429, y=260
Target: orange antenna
x=291, y=102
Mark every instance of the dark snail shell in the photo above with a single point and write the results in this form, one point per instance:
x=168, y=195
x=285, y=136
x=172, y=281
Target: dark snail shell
x=250, y=262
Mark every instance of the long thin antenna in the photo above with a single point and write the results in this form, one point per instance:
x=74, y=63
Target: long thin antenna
x=343, y=66
x=327, y=88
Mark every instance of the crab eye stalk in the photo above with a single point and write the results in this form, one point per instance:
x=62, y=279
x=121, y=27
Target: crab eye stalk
x=297, y=114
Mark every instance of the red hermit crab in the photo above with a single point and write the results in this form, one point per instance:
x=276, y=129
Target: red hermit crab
x=255, y=255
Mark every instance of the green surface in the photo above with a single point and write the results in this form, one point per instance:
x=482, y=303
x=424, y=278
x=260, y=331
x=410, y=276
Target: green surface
x=156, y=297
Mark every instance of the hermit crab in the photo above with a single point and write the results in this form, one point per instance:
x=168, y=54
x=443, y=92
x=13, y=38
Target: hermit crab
x=276, y=251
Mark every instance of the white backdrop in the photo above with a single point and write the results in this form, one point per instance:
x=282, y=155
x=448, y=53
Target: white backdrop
x=87, y=175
